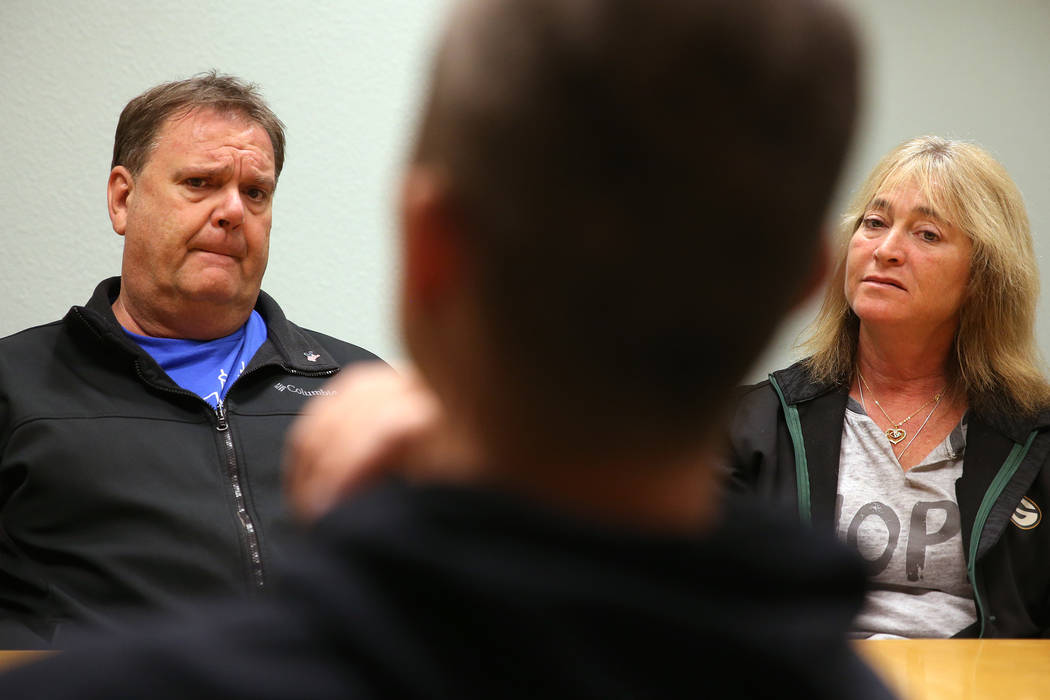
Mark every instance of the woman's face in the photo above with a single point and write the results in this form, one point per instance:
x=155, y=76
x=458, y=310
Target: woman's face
x=906, y=267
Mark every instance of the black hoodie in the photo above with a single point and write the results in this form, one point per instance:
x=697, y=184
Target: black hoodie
x=448, y=592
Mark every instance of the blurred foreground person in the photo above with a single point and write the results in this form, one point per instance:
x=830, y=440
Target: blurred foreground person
x=608, y=209
x=919, y=429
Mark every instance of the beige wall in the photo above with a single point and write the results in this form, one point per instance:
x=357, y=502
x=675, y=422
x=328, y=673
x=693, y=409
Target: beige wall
x=344, y=76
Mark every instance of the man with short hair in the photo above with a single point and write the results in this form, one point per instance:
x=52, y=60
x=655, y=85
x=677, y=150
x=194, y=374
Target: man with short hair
x=140, y=436
x=610, y=205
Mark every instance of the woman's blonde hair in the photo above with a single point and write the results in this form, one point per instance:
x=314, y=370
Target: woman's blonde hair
x=995, y=363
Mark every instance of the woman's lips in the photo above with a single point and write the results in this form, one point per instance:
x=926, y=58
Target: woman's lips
x=884, y=281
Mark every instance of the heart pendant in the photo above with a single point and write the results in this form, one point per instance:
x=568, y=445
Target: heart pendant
x=895, y=435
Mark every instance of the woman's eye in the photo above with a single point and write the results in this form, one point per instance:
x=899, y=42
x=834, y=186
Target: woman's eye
x=929, y=236
x=872, y=222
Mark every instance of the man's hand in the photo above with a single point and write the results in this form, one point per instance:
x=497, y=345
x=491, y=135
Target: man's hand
x=377, y=420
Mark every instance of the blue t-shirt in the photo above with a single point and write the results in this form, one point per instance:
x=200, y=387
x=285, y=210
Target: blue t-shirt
x=208, y=368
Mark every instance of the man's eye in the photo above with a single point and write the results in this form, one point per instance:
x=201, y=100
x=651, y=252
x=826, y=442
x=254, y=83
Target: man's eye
x=196, y=182
x=257, y=194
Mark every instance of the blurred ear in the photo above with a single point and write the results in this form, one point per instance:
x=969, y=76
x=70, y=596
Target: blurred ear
x=432, y=255
x=117, y=192
x=818, y=273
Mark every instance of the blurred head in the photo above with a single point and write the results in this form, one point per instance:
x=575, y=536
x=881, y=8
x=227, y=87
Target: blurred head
x=143, y=117
x=994, y=355
x=640, y=188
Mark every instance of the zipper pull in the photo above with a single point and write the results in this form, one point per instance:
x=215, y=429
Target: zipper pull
x=220, y=412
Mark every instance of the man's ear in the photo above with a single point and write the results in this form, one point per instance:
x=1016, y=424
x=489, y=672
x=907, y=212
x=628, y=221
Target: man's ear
x=118, y=190
x=431, y=232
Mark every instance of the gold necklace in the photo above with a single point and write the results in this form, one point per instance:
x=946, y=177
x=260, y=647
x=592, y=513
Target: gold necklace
x=895, y=433
x=908, y=446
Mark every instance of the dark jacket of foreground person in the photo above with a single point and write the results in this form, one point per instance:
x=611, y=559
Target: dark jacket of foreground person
x=119, y=489
x=450, y=592
x=1005, y=479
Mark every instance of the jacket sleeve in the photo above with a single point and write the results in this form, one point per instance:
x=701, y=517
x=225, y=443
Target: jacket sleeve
x=14, y=634
x=752, y=439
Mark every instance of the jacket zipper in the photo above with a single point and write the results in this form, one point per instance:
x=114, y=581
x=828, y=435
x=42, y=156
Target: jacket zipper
x=1002, y=478
x=233, y=475
x=799, y=447
x=233, y=478
x=233, y=472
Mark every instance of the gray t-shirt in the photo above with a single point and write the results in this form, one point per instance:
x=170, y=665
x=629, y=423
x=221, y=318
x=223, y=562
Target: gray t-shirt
x=906, y=525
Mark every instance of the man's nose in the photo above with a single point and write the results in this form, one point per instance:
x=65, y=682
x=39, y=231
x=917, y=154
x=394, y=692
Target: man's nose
x=229, y=210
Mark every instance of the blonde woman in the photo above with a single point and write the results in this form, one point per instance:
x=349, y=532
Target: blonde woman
x=918, y=427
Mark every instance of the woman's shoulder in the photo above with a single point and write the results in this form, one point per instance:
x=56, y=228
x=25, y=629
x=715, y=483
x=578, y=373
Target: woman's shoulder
x=794, y=383
x=1011, y=422
x=763, y=402
x=760, y=401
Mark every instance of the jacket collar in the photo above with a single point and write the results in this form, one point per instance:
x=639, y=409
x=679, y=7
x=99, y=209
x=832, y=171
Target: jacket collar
x=287, y=346
x=1015, y=427
x=799, y=387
